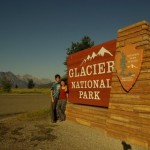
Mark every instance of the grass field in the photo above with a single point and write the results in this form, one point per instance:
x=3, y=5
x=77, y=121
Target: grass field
x=28, y=91
x=33, y=115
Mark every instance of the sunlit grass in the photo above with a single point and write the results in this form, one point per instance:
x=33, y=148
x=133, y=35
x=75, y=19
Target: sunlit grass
x=33, y=115
x=28, y=91
x=40, y=114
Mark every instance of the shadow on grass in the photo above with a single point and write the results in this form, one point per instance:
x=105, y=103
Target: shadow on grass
x=3, y=131
x=13, y=129
x=43, y=133
x=17, y=131
x=2, y=116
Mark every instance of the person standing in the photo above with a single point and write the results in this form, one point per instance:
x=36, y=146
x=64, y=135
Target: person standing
x=54, y=94
x=62, y=101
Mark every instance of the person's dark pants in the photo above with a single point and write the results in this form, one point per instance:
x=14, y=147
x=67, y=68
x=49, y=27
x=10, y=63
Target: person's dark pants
x=61, y=107
x=53, y=110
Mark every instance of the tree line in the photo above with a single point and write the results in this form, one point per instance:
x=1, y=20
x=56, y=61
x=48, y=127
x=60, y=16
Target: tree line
x=6, y=84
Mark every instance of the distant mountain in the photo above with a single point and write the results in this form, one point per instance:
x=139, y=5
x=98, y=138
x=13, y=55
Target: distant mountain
x=22, y=80
x=36, y=80
x=45, y=85
x=13, y=78
x=101, y=53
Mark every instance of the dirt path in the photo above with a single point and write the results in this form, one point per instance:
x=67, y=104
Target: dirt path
x=16, y=104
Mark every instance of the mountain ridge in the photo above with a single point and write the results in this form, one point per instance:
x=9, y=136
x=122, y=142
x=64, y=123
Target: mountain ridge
x=22, y=80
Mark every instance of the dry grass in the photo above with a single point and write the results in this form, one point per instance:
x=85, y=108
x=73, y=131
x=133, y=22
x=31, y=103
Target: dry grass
x=29, y=91
x=29, y=116
x=35, y=115
x=27, y=131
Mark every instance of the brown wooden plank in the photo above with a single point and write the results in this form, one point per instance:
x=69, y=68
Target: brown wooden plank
x=130, y=31
x=87, y=115
x=123, y=107
x=128, y=101
x=141, y=108
x=135, y=90
x=133, y=35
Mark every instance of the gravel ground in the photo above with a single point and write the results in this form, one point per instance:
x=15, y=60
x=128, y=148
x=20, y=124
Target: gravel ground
x=43, y=135
x=37, y=133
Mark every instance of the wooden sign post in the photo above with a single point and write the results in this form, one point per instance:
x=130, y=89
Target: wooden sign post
x=129, y=107
x=125, y=90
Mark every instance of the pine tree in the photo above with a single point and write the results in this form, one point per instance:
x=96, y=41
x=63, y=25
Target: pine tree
x=85, y=43
x=6, y=84
x=30, y=84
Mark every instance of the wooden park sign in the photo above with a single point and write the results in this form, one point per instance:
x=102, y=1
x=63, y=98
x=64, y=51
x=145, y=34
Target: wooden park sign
x=128, y=63
x=90, y=74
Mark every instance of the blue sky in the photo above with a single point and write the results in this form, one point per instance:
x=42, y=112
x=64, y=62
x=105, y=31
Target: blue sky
x=34, y=34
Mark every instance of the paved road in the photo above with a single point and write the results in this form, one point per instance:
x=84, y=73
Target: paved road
x=17, y=104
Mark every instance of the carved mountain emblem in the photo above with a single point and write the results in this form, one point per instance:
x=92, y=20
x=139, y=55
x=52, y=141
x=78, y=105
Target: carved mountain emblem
x=102, y=52
x=128, y=63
